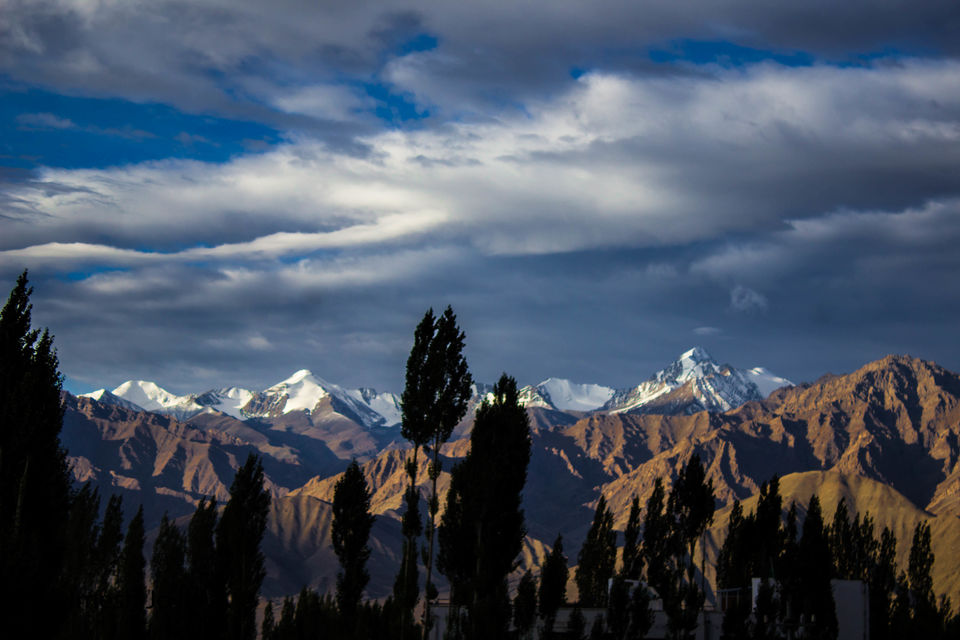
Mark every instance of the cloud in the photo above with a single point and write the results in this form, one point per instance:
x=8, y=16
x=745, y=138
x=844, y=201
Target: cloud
x=44, y=121
x=707, y=331
x=239, y=57
x=561, y=187
x=616, y=161
x=746, y=300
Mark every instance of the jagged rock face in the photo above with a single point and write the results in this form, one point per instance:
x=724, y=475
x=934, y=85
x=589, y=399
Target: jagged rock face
x=693, y=383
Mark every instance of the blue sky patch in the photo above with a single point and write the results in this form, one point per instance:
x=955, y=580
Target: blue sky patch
x=40, y=128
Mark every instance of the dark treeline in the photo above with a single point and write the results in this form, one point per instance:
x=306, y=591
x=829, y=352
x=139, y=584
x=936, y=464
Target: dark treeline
x=67, y=571
x=795, y=569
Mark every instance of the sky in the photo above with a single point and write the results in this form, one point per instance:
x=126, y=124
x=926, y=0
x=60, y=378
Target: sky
x=210, y=193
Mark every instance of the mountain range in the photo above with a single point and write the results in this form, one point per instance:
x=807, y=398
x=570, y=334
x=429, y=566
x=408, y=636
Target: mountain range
x=694, y=382
x=886, y=438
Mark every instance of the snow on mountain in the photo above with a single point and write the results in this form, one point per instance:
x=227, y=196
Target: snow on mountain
x=695, y=382
x=105, y=397
x=230, y=401
x=303, y=391
x=556, y=393
x=766, y=382
x=386, y=404
x=151, y=397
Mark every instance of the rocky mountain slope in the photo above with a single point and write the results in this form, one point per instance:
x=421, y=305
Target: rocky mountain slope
x=886, y=437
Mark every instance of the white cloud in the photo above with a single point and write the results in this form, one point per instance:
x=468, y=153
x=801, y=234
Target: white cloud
x=707, y=331
x=44, y=121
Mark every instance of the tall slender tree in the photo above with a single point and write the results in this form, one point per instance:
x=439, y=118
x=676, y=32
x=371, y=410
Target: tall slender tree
x=883, y=587
x=926, y=619
x=350, y=531
x=553, y=586
x=207, y=602
x=34, y=477
x=239, y=557
x=597, y=558
x=483, y=525
x=131, y=583
x=169, y=595
x=690, y=507
x=525, y=606
x=816, y=566
x=632, y=560
x=438, y=387
x=658, y=543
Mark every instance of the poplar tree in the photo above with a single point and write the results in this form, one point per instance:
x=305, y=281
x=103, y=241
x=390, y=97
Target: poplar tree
x=658, y=544
x=207, y=602
x=131, y=583
x=815, y=565
x=597, y=557
x=525, y=605
x=238, y=538
x=34, y=477
x=438, y=387
x=350, y=531
x=168, y=611
x=483, y=524
x=690, y=509
x=632, y=560
x=919, y=573
x=883, y=587
x=553, y=586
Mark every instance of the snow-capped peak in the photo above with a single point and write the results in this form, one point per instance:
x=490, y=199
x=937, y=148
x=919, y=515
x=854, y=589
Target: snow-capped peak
x=557, y=393
x=706, y=385
x=105, y=397
x=151, y=397
x=765, y=381
x=303, y=391
x=697, y=354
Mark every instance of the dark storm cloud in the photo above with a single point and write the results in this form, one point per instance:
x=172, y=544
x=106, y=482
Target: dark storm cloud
x=592, y=188
x=238, y=56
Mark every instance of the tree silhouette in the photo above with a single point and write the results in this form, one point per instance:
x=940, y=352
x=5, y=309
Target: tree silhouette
x=815, y=570
x=434, y=400
x=483, y=524
x=131, y=583
x=350, y=531
x=238, y=538
x=597, y=557
x=34, y=477
x=553, y=586
x=168, y=611
x=525, y=605
x=207, y=602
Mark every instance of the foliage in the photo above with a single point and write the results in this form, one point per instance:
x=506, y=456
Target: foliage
x=131, y=583
x=238, y=537
x=483, y=524
x=206, y=580
x=435, y=396
x=553, y=585
x=525, y=605
x=597, y=558
x=167, y=613
x=350, y=531
x=34, y=478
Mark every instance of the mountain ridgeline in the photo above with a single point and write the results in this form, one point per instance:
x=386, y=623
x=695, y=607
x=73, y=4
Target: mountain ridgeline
x=884, y=437
x=699, y=444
